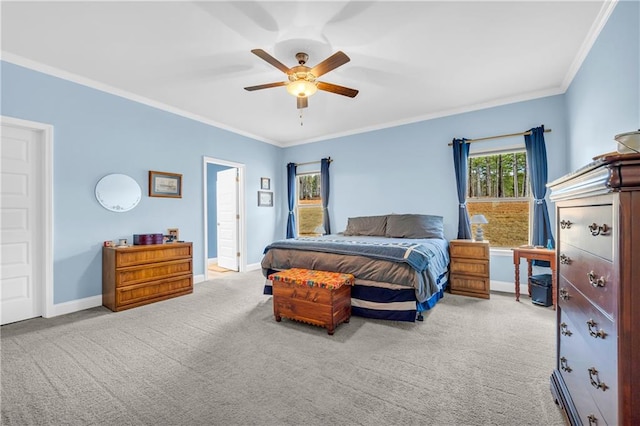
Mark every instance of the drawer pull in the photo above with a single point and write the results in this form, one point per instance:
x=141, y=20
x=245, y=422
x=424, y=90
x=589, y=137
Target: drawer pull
x=564, y=259
x=315, y=298
x=564, y=330
x=596, y=282
x=564, y=294
x=593, y=420
x=564, y=366
x=595, y=380
x=565, y=224
x=598, y=230
x=592, y=325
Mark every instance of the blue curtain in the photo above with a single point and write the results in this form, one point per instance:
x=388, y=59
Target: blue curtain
x=460, y=158
x=537, y=162
x=291, y=195
x=324, y=189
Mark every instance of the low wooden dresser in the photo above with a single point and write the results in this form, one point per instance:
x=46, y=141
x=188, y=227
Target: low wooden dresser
x=138, y=275
x=597, y=376
x=315, y=297
x=469, y=268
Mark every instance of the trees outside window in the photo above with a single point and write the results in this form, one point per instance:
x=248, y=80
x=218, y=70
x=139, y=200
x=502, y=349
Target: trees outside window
x=498, y=188
x=309, y=212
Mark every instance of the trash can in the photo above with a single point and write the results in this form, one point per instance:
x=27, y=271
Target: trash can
x=541, y=288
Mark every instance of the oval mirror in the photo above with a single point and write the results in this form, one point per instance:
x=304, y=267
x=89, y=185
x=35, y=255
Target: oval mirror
x=118, y=193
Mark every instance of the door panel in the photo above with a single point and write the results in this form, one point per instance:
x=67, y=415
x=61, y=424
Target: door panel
x=227, y=215
x=21, y=224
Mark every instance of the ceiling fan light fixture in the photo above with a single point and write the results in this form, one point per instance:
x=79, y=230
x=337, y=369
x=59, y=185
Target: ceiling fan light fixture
x=301, y=88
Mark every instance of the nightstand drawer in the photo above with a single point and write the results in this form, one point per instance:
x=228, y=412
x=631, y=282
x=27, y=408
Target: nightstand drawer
x=470, y=267
x=468, y=285
x=469, y=249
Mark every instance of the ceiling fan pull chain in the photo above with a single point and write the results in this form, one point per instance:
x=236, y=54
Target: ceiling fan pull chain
x=300, y=116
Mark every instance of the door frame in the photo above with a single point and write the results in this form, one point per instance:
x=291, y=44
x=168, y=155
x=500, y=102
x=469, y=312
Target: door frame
x=45, y=184
x=242, y=237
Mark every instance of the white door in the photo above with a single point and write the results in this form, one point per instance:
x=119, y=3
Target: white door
x=21, y=224
x=227, y=218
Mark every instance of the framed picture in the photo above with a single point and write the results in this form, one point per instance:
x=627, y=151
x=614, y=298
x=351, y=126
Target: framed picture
x=173, y=234
x=265, y=199
x=164, y=184
x=265, y=183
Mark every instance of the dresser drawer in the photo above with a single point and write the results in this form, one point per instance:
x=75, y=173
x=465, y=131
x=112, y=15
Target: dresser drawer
x=153, y=271
x=138, y=255
x=597, y=329
x=136, y=294
x=588, y=227
x=592, y=359
x=592, y=275
x=572, y=364
x=311, y=294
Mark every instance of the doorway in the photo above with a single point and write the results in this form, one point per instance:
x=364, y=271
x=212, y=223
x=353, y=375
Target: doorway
x=26, y=281
x=224, y=218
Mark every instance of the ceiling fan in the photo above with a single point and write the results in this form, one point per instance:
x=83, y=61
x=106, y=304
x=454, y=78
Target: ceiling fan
x=302, y=80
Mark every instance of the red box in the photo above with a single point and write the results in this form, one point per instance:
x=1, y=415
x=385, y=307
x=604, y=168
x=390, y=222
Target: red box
x=147, y=239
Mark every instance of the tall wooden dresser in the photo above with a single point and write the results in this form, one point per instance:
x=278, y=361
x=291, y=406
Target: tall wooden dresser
x=138, y=275
x=597, y=375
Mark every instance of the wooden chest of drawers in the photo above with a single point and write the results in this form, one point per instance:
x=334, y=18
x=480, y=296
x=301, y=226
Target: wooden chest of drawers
x=469, y=268
x=138, y=275
x=317, y=305
x=597, y=377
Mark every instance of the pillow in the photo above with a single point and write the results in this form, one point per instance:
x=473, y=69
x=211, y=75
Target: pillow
x=367, y=225
x=414, y=226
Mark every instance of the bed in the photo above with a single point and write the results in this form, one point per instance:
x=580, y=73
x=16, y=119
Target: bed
x=400, y=263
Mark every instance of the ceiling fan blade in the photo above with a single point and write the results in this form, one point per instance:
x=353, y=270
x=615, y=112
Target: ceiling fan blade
x=265, y=86
x=331, y=63
x=303, y=102
x=273, y=61
x=340, y=90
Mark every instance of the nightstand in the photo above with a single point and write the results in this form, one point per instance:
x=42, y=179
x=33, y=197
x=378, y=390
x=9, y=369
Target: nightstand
x=469, y=268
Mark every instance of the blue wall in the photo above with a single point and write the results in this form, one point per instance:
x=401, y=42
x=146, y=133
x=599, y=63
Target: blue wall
x=405, y=169
x=212, y=217
x=96, y=133
x=604, y=97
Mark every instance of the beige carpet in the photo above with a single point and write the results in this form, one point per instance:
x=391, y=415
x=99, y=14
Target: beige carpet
x=217, y=357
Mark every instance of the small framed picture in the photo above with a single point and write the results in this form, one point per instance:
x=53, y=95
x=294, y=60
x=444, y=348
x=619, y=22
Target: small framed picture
x=265, y=199
x=174, y=234
x=164, y=184
x=265, y=183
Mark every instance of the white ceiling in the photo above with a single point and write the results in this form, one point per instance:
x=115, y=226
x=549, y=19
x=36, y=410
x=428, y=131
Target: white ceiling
x=410, y=60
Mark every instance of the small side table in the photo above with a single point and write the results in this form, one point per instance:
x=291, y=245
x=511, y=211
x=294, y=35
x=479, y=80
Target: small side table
x=469, y=268
x=534, y=254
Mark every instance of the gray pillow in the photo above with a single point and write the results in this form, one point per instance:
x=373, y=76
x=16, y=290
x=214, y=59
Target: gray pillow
x=415, y=226
x=367, y=225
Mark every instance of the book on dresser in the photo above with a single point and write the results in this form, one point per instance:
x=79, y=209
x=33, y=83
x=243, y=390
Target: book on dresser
x=597, y=376
x=137, y=275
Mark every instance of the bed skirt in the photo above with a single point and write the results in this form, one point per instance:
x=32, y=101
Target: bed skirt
x=372, y=299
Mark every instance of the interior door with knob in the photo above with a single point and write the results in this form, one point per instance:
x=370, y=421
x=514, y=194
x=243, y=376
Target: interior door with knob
x=228, y=218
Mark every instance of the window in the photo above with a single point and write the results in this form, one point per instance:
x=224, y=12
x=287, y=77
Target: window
x=498, y=188
x=309, y=213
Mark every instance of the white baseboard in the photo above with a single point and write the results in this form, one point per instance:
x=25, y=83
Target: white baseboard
x=508, y=287
x=254, y=267
x=198, y=278
x=212, y=261
x=75, y=306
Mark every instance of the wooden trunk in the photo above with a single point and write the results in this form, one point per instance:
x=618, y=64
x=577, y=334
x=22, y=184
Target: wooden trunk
x=319, y=306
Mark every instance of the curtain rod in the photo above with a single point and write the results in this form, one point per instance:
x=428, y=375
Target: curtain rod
x=528, y=132
x=312, y=162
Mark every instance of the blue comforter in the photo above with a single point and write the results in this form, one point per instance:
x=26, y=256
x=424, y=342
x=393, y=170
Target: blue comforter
x=417, y=253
